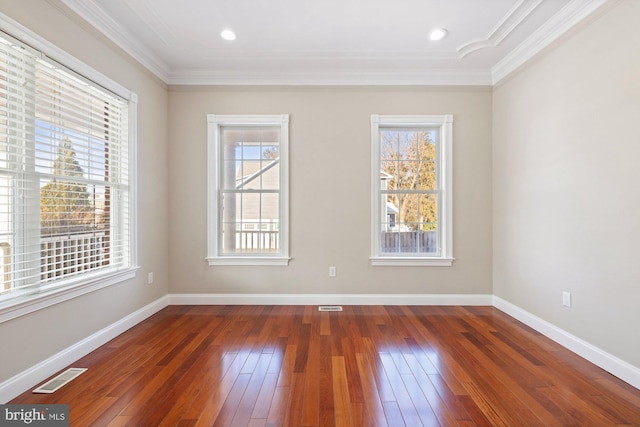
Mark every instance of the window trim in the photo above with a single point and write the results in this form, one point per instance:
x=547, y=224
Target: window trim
x=77, y=286
x=214, y=123
x=445, y=181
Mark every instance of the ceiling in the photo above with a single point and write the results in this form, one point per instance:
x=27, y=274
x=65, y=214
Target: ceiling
x=333, y=41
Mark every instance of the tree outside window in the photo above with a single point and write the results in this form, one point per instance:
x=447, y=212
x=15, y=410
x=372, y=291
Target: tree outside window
x=411, y=197
x=66, y=207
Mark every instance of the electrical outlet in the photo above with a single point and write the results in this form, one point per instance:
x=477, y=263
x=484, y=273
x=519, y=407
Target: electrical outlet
x=150, y=278
x=566, y=299
x=332, y=272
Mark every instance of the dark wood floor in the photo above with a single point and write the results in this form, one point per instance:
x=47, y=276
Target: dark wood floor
x=368, y=365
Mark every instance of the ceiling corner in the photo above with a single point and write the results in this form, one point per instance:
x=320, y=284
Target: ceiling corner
x=96, y=17
x=573, y=13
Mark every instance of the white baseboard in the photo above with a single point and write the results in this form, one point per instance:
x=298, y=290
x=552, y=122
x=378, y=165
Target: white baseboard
x=29, y=378
x=38, y=373
x=618, y=367
x=329, y=299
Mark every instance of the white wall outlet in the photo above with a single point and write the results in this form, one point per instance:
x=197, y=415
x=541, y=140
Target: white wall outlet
x=150, y=278
x=332, y=272
x=566, y=299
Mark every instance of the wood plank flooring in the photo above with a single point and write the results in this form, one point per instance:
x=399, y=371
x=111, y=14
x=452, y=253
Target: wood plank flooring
x=366, y=366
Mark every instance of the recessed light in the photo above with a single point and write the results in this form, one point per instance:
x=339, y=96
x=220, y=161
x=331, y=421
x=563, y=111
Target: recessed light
x=228, y=35
x=437, y=34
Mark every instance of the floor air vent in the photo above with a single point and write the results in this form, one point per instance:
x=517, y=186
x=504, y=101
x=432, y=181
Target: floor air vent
x=330, y=308
x=57, y=382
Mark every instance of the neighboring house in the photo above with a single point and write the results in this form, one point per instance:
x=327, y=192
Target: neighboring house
x=257, y=212
x=388, y=207
x=392, y=213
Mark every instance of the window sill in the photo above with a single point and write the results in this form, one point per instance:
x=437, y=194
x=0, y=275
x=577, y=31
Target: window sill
x=20, y=306
x=411, y=262
x=258, y=261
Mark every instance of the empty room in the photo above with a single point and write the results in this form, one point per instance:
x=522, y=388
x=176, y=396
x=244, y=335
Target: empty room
x=338, y=213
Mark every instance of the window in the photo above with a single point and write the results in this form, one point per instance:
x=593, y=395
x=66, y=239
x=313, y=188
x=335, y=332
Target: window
x=66, y=182
x=411, y=190
x=248, y=190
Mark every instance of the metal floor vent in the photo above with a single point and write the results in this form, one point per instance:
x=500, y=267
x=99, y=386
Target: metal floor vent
x=57, y=382
x=330, y=308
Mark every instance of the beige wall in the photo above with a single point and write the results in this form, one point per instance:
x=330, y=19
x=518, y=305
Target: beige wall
x=566, y=187
x=559, y=164
x=330, y=190
x=30, y=339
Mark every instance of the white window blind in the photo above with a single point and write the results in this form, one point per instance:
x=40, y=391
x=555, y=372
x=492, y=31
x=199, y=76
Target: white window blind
x=64, y=175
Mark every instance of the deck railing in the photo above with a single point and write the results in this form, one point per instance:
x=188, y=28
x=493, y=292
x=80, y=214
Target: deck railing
x=258, y=240
x=65, y=255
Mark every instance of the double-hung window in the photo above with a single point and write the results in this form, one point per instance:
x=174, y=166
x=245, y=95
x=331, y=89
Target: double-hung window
x=66, y=184
x=248, y=189
x=411, y=190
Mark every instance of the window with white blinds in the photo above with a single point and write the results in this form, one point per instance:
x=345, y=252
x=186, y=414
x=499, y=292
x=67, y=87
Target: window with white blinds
x=65, y=184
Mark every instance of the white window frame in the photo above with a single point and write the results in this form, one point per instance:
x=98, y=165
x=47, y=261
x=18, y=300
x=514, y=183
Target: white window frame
x=21, y=305
x=444, y=188
x=214, y=124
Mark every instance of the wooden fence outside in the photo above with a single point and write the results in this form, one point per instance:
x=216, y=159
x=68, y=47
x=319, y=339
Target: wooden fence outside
x=409, y=242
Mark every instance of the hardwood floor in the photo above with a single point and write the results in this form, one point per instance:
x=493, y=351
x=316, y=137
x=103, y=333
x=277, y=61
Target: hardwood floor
x=368, y=365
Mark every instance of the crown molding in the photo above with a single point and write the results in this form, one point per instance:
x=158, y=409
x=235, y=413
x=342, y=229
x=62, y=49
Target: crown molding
x=97, y=18
x=573, y=13
x=332, y=78
x=569, y=16
x=506, y=26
